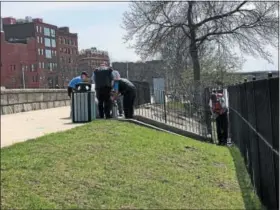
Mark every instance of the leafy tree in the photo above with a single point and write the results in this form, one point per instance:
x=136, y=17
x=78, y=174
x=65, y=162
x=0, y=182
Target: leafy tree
x=197, y=27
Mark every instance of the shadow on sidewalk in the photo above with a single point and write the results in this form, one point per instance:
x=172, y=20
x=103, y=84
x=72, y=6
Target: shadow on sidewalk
x=65, y=118
x=69, y=123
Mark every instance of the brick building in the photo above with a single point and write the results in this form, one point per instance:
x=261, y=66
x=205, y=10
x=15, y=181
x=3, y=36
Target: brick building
x=18, y=63
x=91, y=58
x=47, y=47
x=68, y=55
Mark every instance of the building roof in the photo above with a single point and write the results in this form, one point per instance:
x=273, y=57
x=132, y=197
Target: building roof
x=22, y=41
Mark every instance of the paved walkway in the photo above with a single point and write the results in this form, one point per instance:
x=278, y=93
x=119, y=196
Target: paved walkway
x=27, y=125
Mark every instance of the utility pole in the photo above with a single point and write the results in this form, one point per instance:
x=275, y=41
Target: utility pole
x=220, y=67
x=23, y=76
x=127, y=70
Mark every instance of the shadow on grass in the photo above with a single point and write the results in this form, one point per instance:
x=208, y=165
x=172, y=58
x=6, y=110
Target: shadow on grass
x=247, y=190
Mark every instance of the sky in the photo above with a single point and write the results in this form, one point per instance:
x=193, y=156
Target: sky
x=98, y=24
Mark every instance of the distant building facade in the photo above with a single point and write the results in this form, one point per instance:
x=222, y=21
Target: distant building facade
x=257, y=74
x=91, y=58
x=46, y=50
x=140, y=71
x=68, y=55
x=18, y=64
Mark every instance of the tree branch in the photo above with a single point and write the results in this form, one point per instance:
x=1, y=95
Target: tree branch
x=220, y=16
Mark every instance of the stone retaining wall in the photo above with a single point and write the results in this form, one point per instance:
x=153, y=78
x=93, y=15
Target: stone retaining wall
x=23, y=100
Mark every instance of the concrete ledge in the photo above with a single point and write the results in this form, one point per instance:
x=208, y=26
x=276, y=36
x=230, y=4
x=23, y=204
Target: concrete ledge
x=140, y=120
x=33, y=91
x=16, y=108
x=23, y=100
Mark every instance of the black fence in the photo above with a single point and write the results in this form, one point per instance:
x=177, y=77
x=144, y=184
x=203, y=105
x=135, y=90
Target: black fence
x=254, y=125
x=176, y=110
x=143, y=94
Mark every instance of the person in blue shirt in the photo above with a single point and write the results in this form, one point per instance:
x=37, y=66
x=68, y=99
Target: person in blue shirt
x=76, y=80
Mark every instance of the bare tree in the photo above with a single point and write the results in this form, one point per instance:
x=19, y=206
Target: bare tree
x=249, y=26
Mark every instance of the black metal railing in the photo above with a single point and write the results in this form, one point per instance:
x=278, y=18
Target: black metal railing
x=254, y=125
x=143, y=94
x=177, y=110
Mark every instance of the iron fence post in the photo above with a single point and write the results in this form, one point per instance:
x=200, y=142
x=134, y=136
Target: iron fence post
x=164, y=107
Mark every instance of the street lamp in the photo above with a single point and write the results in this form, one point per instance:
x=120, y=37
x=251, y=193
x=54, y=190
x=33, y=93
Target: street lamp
x=23, y=75
x=127, y=70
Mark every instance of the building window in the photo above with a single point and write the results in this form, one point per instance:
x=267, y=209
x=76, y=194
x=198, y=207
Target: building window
x=69, y=60
x=43, y=65
x=50, y=66
x=39, y=52
x=39, y=64
x=32, y=67
x=53, y=43
x=52, y=32
x=42, y=40
x=26, y=68
x=47, y=42
x=37, y=28
x=40, y=29
x=38, y=39
x=13, y=67
x=47, y=31
x=64, y=41
x=48, y=53
x=42, y=52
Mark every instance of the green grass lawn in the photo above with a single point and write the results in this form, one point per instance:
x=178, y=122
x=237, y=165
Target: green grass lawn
x=175, y=105
x=126, y=166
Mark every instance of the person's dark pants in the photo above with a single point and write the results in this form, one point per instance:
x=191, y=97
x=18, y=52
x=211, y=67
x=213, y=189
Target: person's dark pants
x=120, y=105
x=222, y=128
x=128, y=103
x=104, y=102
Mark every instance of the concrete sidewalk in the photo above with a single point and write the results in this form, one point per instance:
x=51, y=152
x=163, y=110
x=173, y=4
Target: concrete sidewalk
x=27, y=125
